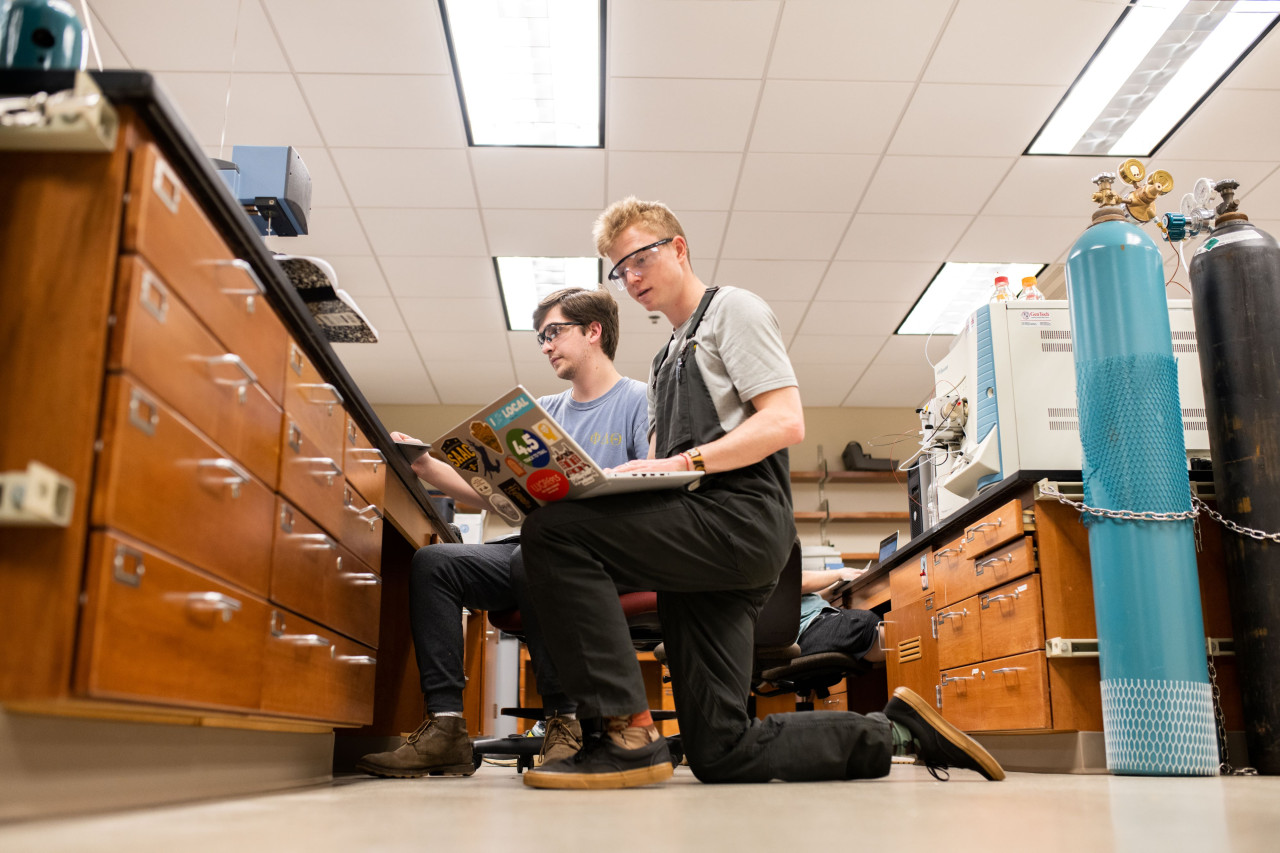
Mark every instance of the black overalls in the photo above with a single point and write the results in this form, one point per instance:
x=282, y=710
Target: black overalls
x=713, y=555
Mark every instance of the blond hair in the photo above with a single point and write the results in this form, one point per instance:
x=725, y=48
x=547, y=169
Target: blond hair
x=618, y=217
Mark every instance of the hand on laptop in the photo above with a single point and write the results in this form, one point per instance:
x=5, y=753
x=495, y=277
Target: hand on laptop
x=422, y=465
x=670, y=463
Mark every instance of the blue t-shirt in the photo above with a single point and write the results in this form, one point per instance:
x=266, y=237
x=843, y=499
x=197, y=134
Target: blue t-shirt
x=811, y=604
x=613, y=428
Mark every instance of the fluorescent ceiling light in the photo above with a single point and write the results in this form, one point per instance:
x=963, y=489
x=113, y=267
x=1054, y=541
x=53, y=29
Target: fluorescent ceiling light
x=957, y=290
x=530, y=72
x=525, y=281
x=1160, y=60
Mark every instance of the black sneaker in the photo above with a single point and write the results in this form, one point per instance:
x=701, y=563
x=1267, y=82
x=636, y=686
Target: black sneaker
x=938, y=744
x=603, y=764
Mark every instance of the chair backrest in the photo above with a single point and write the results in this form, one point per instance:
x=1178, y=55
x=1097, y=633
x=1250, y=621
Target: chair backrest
x=779, y=620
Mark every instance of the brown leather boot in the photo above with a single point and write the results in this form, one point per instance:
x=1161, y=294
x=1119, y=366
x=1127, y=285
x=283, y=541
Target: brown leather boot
x=438, y=747
x=562, y=740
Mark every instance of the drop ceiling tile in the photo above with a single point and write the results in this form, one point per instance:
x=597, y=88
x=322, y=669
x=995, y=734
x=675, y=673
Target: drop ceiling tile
x=383, y=313
x=333, y=231
x=705, y=233
x=540, y=381
x=389, y=371
x=876, y=281
x=1260, y=69
x=386, y=111
x=783, y=236
x=471, y=277
x=826, y=317
x=456, y=315
x=827, y=384
x=403, y=37
x=438, y=341
x=1051, y=186
x=856, y=39
x=789, y=316
x=994, y=41
x=972, y=120
x=902, y=237
x=406, y=177
x=359, y=275
x=326, y=186
x=795, y=280
x=1262, y=201
x=680, y=115
x=1018, y=239
x=398, y=231
x=892, y=385
x=804, y=182
x=525, y=178
x=541, y=233
x=637, y=370
x=911, y=350
x=1246, y=116
x=266, y=109
x=690, y=39
x=161, y=35
x=638, y=344
x=471, y=383
x=823, y=116
x=683, y=181
x=108, y=50
x=834, y=349
x=931, y=185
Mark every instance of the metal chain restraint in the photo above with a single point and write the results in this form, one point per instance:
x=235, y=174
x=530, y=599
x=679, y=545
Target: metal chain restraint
x=1198, y=506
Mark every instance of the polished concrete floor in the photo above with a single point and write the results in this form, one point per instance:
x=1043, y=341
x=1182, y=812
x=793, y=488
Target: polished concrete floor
x=494, y=811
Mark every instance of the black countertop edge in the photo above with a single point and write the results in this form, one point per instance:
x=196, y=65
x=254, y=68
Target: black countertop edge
x=140, y=91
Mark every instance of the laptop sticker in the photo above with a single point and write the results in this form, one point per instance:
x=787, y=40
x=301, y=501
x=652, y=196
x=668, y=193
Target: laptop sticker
x=549, y=433
x=482, y=487
x=547, y=485
x=460, y=455
x=509, y=411
x=516, y=467
x=518, y=495
x=490, y=466
x=528, y=448
x=505, y=508
x=573, y=465
x=484, y=433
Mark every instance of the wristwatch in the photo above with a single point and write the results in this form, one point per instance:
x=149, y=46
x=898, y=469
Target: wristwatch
x=694, y=455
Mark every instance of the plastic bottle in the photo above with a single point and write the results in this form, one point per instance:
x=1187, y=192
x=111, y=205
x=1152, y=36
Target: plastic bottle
x=1029, y=289
x=1002, y=293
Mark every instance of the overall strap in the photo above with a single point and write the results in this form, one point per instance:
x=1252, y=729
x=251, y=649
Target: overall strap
x=695, y=321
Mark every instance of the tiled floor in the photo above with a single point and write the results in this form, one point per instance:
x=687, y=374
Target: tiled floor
x=494, y=811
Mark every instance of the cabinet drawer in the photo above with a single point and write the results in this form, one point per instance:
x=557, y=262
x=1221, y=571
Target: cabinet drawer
x=351, y=678
x=159, y=340
x=166, y=226
x=1012, y=619
x=364, y=464
x=159, y=632
x=160, y=481
x=995, y=529
x=913, y=580
x=961, y=690
x=834, y=702
x=361, y=528
x=311, y=479
x=1015, y=693
x=314, y=575
x=960, y=637
x=296, y=667
x=315, y=405
x=992, y=569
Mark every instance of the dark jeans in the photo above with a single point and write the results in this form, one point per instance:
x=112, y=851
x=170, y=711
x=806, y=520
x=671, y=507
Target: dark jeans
x=444, y=579
x=712, y=573
x=850, y=632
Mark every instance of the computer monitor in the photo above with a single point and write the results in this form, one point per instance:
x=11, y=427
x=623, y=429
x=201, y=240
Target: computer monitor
x=888, y=545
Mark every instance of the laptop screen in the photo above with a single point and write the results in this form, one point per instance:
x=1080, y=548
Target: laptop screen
x=888, y=545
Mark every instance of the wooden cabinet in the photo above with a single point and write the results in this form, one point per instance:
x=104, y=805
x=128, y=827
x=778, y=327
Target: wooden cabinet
x=910, y=635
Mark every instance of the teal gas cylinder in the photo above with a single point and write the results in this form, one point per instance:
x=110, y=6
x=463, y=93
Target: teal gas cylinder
x=44, y=34
x=1157, y=706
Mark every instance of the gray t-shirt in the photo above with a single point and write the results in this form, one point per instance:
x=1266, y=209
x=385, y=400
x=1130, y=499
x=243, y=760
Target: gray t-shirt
x=740, y=354
x=613, y=428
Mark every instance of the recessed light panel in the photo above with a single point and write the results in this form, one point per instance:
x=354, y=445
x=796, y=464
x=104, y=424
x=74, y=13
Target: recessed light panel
x=957, y=290
x=525, y=281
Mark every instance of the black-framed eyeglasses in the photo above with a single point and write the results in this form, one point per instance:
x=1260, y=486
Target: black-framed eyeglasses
x=551, y=331
x=635, y=263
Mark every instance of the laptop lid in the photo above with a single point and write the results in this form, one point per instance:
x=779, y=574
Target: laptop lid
x=888, y=545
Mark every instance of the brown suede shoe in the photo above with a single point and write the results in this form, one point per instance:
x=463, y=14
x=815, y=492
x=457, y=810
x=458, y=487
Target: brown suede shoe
x=562, y=740
x=438, y=747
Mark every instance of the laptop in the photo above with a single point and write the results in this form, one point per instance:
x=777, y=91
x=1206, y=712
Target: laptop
x=888, y=545
x=518, y=458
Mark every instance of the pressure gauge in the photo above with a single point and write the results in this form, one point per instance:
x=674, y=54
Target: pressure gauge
x=1203, y=193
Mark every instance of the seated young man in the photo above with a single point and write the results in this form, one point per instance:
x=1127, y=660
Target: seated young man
x=723, y=399
x=605, y=413
x=824, y=628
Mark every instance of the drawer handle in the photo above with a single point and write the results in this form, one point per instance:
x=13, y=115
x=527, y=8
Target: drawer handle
x=119, y=569
x=215, y=601
x=1005, y=669
x=335, y=394
x=1007, y=558
x=354, y=660
x=165, y=184
x=157, y=306
x=378, y=457
x=317, y=541
x=974, y=675
x=987, y=599
x=138, y=404
x=250, y=294
x=950, y=614
x=247, y=375
x=295, y=437
x=238, y=476
x=278, y=631
x=999, y=522
x=937, y=557
x=363, y=579
x=334, y=468
x=295, y=359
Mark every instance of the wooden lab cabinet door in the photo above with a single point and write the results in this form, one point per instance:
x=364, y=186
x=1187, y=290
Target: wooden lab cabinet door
x=913, y=580
x=959, y=629
x=364, y=465
x=311, y=479
x=962, y=693
x=992, y=569
x=912, y=659
x=361, y=528
x=315, y=405
x=160, y=632
x=950, y=564
x=297, y=672
x=1015, y=693
x=1012, y=618
x=994, y=529
x=352, y=670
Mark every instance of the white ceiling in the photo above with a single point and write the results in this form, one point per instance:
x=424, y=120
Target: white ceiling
x=828, y=154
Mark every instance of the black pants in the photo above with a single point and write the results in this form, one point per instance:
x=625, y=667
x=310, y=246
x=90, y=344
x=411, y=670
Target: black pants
x=446, y=578
x=712, y=571
x=850, y=632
